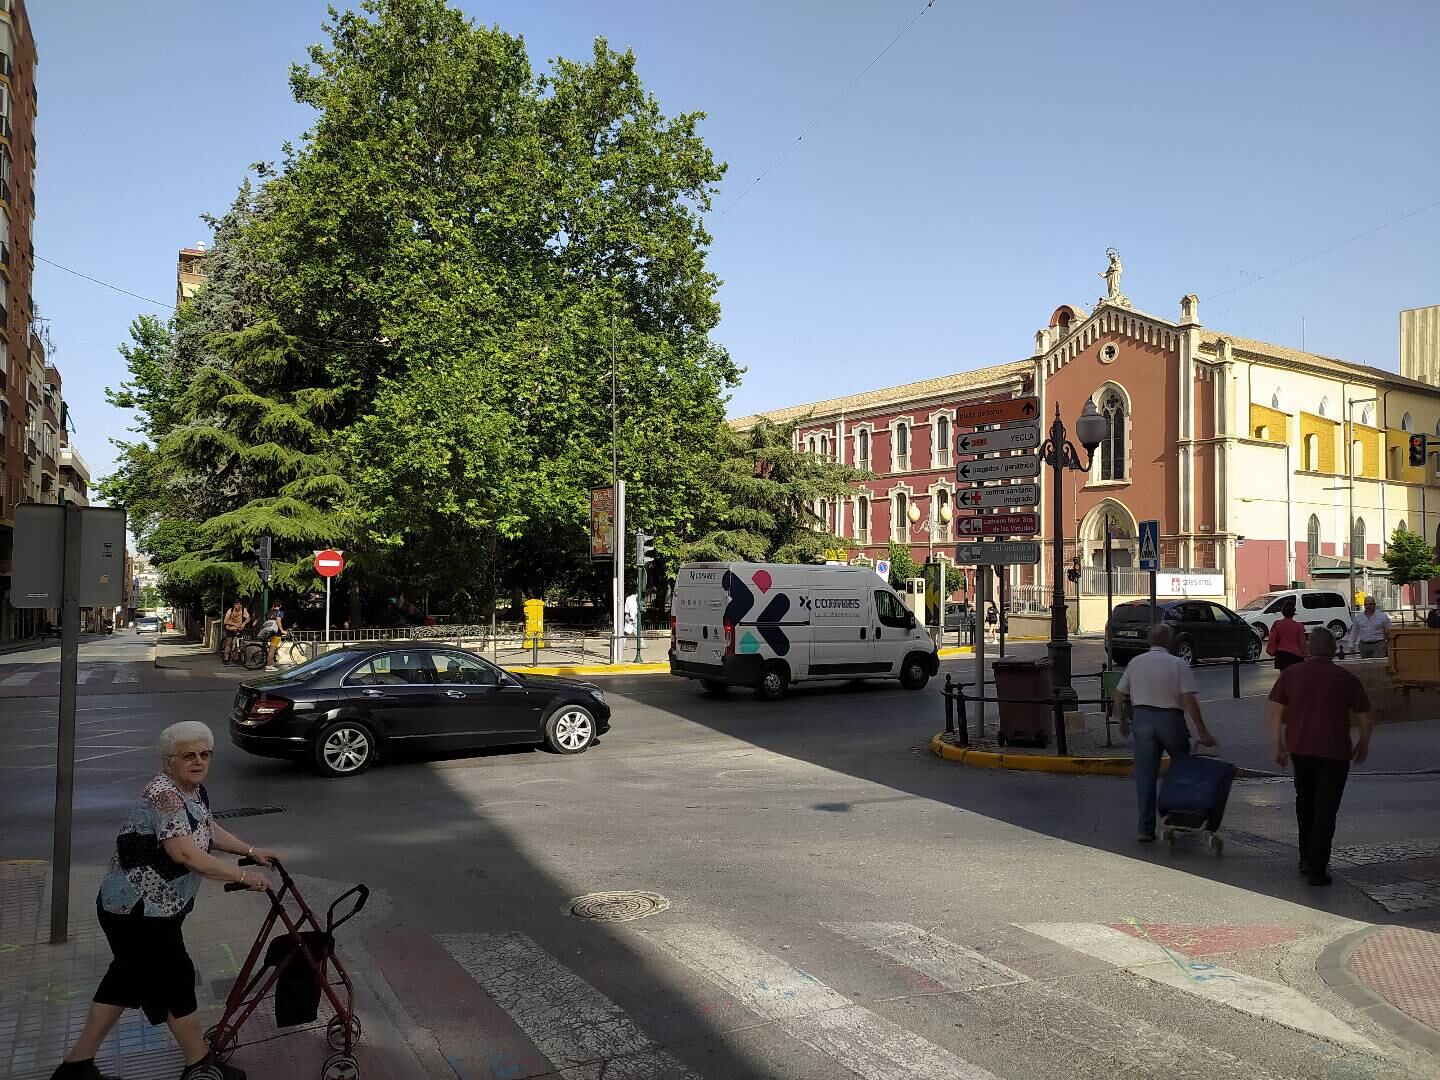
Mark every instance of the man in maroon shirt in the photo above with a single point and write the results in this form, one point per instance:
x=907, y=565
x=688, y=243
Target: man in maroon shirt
x=1312, y=709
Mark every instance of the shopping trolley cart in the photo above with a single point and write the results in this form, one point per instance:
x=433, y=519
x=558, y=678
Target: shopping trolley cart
x=295, y=969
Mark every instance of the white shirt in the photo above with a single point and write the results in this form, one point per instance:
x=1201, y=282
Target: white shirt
x=1158, y=680
x=1369, y=628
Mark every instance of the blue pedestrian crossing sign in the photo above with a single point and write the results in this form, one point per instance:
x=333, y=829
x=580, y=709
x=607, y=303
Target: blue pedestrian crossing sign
x=1149, y=545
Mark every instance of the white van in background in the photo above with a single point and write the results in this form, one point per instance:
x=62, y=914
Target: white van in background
x=768, y=625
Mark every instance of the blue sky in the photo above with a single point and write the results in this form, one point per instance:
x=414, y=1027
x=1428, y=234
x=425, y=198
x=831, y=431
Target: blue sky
x=930, y=223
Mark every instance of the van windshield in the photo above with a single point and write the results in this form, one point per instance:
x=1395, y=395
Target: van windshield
x=1260, y=602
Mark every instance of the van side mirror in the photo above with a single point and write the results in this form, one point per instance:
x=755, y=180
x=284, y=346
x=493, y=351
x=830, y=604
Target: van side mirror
x=910, y=620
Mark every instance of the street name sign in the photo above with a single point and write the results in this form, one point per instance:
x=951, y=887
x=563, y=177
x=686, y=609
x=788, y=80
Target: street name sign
x=1001, y=468
x=1016, y=552
x=998, y=525
x=1010, y=437
x=1005, y=495
x=997, y=412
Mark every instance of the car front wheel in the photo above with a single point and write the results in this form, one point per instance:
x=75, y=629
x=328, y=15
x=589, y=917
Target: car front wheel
x=1186, y=651
x=344, y=748
x=570, y=730
x=1337, y=629
x=1252, y=652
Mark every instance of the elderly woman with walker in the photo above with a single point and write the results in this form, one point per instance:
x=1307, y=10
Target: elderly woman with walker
x=161, y=853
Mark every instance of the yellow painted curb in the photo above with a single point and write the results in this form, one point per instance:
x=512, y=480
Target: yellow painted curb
x=595, y=669
x=987, y=759
x=952, y=651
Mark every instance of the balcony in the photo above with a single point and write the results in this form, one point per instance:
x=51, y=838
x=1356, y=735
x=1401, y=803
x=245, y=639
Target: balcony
x=862, y=536
x=6, y=67
x=4, y=255
x=32, y=451
x=863, y=464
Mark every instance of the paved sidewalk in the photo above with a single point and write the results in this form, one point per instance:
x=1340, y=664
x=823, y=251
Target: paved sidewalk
x=45, y=989
x=1393, y=974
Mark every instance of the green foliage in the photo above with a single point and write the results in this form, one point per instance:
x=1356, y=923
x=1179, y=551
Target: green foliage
x=1410, y=558
x=759, y=503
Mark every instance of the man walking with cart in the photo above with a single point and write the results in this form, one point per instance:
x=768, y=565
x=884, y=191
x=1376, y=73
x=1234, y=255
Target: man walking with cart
x=1313, y=706
x=1161, y=691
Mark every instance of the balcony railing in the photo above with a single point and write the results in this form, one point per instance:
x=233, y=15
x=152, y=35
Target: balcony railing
x=862, y=536
x=32, y=452
x=863, y=464
x=942, y=459
x=901, y=463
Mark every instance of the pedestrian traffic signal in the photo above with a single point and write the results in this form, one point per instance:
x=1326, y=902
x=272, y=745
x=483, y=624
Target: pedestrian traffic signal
x=1417, y=450
x=262, y=554
x=644, y=549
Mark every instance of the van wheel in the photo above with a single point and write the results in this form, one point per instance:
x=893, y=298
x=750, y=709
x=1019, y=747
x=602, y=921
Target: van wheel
x=774, y=682
x=914, y=673
x=1337, y=629
x=714, y=687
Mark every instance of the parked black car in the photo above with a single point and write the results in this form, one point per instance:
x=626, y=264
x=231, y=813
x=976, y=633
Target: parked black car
x=1204, y=630
x=344, y=709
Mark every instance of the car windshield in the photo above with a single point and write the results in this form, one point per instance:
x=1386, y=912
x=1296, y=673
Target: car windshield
x=321, y=663
x=1260, y=602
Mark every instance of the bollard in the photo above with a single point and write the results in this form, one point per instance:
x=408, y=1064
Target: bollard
x=964, y=729
x=535, y=650
x=949, y=706
x=1061, y=743
x=1235, y=677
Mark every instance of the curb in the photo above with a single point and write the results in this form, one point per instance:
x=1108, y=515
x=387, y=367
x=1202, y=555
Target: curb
x=1333, y=967
x=1051, y=763
x=594, y=669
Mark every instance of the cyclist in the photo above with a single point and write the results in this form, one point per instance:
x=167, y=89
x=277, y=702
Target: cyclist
x=236, y=619
x=271, y=631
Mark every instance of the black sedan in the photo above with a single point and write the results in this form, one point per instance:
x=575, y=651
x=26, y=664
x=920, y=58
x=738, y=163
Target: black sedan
x=1203, y=630
x=344, y=709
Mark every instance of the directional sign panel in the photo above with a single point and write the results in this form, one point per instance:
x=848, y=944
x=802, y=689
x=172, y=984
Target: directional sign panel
x=1018, y=552
x=1001, y=468
x=997, y=412
x=1005, y=495
x=998, y=525
x=1010, y=437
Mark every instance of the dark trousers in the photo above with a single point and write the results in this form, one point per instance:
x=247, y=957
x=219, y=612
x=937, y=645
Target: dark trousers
x=1319, y=787
x=1285, y=659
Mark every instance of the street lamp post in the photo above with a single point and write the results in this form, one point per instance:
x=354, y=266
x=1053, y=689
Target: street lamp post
x=933, y=524
x=1060, y=455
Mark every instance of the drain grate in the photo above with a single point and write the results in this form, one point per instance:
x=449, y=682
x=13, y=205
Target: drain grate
x=618, y=906
x=249, y=811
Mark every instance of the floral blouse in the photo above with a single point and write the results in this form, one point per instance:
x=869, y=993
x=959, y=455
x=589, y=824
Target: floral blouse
x=140, y=871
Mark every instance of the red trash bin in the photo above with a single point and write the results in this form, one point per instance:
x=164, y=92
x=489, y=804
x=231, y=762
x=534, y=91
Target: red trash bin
x=1026, y=720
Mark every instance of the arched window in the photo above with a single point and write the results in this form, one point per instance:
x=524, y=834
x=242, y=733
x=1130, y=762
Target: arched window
x=1310, y=459
x=902, y=448
x=1275, y=400
x=825, y=447
x=1357, y=538
x=810, y=445
x=1437, y=427
x=1262, y=432
x=1402, y=526
x=1312, y=539
x=862, y=520
x=1367, y=417
x=862, y=446
x=1324, y=408
x=1357, y=456
x=941, y=447
x=1407, y=422
x=1112, y=447
x=899, y=520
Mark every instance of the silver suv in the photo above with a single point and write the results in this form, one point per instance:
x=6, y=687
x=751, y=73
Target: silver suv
x=1313, y=607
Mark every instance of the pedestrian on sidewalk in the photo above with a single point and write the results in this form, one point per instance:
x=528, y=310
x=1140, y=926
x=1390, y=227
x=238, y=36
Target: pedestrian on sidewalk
x=236, y=619
x=161, y=853
x=1432, y=620
x=1162, y=692
x=1286, y=640
x=1313, y=706
x=1367, y=631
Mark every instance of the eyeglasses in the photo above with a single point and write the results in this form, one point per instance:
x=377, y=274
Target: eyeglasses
x=195, y=757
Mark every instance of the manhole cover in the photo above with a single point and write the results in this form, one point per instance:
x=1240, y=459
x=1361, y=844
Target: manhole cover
x=617, y=906
x=249, y=811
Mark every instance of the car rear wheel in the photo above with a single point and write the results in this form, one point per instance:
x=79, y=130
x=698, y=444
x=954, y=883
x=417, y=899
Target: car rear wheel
x=344, y=748
x=570, y=730
x=914, y=673
x=774, y=682
x=1186, y=651
x=1337, y=629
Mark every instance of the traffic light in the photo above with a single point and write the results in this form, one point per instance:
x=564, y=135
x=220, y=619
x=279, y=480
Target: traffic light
x=1417, y=450
x=644, y=549
x=262, y=553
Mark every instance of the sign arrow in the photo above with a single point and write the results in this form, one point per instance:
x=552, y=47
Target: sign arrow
x=1005, y=495
x=1020, y=436
x=997, y=412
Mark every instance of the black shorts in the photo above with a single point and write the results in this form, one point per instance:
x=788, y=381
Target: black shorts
x=232, y=633
x=151, y=969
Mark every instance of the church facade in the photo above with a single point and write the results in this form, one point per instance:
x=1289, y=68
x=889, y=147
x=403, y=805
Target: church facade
x=1265, y=466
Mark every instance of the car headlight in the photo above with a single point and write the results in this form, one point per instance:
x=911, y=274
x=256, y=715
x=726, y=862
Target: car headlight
x=598, y=695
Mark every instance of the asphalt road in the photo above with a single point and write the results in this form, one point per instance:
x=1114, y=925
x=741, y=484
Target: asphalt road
x=841, y=903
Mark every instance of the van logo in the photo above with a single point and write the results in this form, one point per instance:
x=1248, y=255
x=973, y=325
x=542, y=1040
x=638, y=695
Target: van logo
x=805, y=602
x=767, y=625
x=741, y=598
x=763, y=580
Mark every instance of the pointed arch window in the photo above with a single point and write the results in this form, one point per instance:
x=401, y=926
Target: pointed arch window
x=899, y=519
x=1112, y=447
x=1312, y=539
x=902, y=448
x=862, y=450
x=862, y=519
x=941, y=446
x=1357, y=538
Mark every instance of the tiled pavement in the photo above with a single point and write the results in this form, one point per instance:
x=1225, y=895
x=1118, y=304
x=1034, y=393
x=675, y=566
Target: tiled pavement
x=1402, y=965
x=45, y=989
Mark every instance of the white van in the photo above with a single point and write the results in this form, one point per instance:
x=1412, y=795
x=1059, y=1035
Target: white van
x=767, y=625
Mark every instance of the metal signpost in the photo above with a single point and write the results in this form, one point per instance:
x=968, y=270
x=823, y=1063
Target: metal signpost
x=65, y=557
x=328, y=564
x=1150, y=557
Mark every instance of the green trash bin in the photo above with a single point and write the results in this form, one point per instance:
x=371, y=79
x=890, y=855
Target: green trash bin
x=1109, y=680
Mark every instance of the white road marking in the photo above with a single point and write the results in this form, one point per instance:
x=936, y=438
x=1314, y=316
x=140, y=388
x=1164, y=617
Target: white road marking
x=84, y=675
x=1244, y=993
x=122, y=675
x=175, y=674
x=856, y=1039
x=583, y=1033
x=20, y=678
x=952, y=966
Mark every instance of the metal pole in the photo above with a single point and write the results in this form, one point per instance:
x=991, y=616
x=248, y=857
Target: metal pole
x=1109, y=575
x=65, y=735
x=1059, y=646
x=949, y=705
x=639, y=607
x=982, y=589
x=327, y=609
x=1000, y=588
x=617, y=565
x=1153, y=612
x=1350, y=487
x=617, y=640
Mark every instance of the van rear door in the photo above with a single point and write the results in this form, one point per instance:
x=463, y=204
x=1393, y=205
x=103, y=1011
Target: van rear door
x=699, y=612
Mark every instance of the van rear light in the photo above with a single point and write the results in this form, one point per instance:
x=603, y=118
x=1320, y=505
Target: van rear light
x=729, y=638
x=265, y=708
x=672, y=633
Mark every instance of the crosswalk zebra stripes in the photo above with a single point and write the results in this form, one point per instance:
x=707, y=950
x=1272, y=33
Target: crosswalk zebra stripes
x=585, y=1035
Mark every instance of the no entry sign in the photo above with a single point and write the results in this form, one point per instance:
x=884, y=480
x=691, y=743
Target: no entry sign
x=329, y=563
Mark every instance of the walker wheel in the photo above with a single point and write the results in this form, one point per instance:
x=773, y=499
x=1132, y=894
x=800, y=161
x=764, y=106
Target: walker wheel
x=340, y=1067
x=206, y=1072
x=1167, y=836
x=222, y=1053
x=335, y=1032
x=1217, y=845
